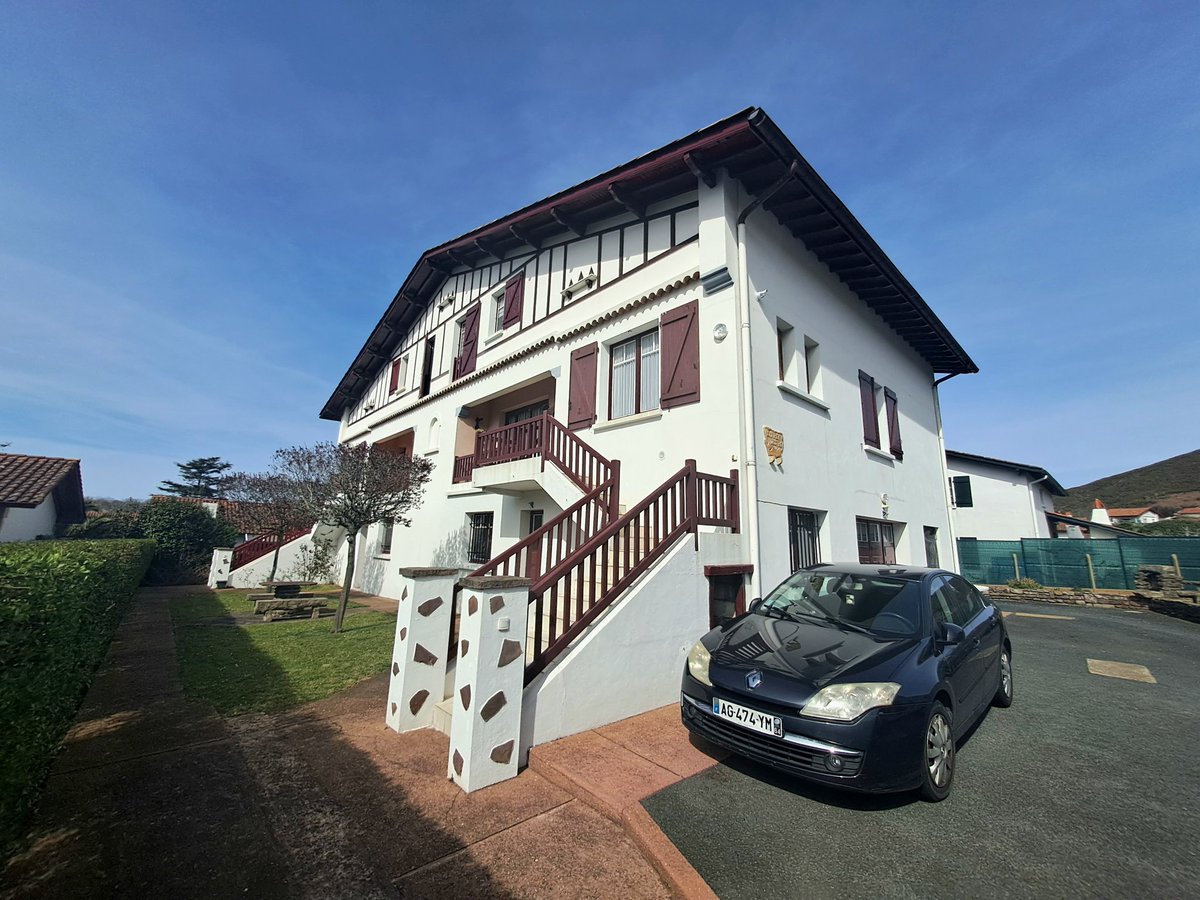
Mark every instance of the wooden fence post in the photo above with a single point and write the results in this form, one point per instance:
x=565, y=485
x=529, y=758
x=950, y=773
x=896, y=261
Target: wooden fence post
x=1091, y=570
x=1016, y=567
x=1178, y=568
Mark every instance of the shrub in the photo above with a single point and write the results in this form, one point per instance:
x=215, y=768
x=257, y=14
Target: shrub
x=111, y=525
x=60, y=602
x=184, y=535
x=1023, y=584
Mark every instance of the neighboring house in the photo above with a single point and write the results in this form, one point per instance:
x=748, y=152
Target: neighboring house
x=38, y=493
x=712, y=301
x=1189, y=512
x=1141, y=515
x=998, y=500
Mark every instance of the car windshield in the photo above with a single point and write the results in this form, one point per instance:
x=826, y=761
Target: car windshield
x=887, y=607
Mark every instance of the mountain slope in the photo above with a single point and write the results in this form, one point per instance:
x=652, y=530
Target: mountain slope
x=1174, y=481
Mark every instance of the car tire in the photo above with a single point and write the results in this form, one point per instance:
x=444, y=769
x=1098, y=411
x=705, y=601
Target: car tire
x=937, y=754
x=1004, y=690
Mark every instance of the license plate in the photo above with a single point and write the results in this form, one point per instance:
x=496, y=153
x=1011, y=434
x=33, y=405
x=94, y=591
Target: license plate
x=748, y=718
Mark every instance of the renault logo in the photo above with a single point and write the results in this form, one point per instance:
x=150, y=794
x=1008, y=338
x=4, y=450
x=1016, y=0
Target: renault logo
x=754, y=679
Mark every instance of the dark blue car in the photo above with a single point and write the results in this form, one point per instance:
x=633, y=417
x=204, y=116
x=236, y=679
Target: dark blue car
x=857, y=676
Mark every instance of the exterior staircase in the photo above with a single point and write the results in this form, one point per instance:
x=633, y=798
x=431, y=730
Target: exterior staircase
x=538, y=599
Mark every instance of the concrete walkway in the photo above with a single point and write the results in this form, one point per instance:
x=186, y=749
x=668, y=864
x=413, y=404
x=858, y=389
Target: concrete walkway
x=155, y=796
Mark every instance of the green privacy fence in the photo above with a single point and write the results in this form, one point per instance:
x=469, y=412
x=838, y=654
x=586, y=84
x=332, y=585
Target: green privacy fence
x=1057, y=562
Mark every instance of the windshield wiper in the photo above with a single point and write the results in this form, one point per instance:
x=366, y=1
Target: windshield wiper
x=836, y=622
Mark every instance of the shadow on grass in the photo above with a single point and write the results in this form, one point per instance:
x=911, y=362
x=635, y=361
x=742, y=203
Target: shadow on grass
x=156, y=796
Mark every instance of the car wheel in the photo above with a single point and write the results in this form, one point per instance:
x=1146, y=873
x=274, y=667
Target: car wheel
x=1004, y=690
x=937, y=755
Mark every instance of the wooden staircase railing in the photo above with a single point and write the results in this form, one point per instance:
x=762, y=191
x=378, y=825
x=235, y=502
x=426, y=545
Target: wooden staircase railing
x=548, y=438
x=572, y=593
x=254, y=548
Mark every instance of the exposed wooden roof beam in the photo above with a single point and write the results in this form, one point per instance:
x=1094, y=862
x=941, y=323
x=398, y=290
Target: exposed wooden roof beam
x=487, y=250
x=524, y=237
x=439, y=266
x=567, y=221
x=459, y=258
x=627, y=200
x=698, y=167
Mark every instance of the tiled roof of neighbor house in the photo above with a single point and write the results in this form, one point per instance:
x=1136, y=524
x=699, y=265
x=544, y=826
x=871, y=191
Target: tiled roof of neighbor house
x=751, y=148
x=1131, y=512
x=1189, y=511
x=26, y=481
x=1089, y=526
x=1038, y=472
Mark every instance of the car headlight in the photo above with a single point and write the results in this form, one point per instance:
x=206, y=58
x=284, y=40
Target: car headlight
x=698, y=660
x=843, y=702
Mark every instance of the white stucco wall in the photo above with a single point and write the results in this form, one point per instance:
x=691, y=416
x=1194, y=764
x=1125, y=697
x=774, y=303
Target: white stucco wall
x=825, y=465
x=27, y=524
x=1006, y=505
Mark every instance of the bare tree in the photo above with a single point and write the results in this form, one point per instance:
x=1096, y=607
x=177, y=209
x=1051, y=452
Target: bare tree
x=267, y=503
x=352, y=487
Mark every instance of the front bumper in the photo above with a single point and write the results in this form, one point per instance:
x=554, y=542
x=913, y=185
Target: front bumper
x=879, y=752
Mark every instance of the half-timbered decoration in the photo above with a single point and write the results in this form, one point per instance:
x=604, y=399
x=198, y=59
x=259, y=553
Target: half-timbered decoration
x=591, y=376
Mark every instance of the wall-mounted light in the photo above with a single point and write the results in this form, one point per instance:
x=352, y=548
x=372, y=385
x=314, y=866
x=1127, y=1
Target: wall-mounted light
x=720, y=332
x=758, y=295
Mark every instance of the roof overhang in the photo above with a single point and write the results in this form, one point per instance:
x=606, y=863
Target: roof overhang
x=748, y=145
x=1037, y=472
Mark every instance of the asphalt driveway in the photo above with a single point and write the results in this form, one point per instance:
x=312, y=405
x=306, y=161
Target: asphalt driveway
x=1087, y=786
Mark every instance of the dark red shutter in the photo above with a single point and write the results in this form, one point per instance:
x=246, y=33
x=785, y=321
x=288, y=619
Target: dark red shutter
x=679, y=346
x=465, y=364
x=866, y=389
x=514, y=300
x=395, y=381
x=893, y=419
x=581, y=406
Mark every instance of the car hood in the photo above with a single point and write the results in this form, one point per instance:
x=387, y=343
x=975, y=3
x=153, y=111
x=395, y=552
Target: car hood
x=795, y=659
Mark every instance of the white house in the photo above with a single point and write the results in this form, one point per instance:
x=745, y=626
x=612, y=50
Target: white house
x=1141, y=515
x=38, y=493
x=997, y=500
x=652, y=395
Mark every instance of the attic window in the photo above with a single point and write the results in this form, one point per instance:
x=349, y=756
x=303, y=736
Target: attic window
x=579, y=285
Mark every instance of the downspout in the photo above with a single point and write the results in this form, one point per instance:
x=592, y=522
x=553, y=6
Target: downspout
x=1033, y=505
x=749, y=449
x=937, y=413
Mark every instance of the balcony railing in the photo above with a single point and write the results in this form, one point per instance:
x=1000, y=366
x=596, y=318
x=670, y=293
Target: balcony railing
x=463, y=467
x=546, y=437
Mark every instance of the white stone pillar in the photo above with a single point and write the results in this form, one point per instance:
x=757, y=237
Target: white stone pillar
x=423, y=620
x=221, y=566
x=485, y=731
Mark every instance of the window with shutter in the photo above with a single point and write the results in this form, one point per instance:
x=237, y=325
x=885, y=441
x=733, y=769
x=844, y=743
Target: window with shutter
x=394, y=382
x=680, y=355
x=893, y=420
x=960, y=491
x=581, y=406
x=514, y=300
x=633, y=382
x=866, y=389
x=464, y=363
x=427, y=366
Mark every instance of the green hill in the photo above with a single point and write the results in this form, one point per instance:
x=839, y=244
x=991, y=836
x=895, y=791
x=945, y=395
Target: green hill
x=1172, y=482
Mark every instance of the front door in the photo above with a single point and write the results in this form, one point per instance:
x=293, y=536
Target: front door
x=876, y=542
x=526, y=412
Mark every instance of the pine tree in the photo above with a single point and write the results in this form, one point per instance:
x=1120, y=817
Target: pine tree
x=201, y=477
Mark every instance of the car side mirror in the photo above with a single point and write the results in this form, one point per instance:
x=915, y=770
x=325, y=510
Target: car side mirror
x=951, y=634
x=754, y=604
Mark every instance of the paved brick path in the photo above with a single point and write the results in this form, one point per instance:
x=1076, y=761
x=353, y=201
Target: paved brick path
x=154, y=796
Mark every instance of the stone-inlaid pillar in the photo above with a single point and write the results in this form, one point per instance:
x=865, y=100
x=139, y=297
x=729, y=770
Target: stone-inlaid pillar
x=485, y=731
x=418, y=676
x=220, y=567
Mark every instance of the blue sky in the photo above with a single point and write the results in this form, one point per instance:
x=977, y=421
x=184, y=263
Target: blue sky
x=205, y=207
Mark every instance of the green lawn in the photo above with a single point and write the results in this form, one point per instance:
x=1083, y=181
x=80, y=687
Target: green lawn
x=268, y=667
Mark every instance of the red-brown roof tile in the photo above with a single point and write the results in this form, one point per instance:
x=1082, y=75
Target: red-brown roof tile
x=26, y=481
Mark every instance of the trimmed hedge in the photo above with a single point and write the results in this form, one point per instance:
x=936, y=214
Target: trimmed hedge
x=60, y=602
